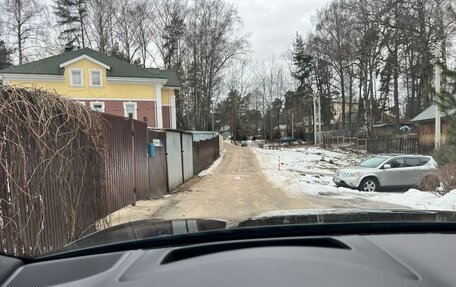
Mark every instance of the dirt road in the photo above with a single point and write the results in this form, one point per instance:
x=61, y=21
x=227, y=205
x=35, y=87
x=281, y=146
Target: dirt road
x=237, y=189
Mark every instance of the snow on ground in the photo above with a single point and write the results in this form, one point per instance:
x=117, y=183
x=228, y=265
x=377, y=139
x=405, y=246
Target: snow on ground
x=421, y=200
x=309, y=170
x=214, y=165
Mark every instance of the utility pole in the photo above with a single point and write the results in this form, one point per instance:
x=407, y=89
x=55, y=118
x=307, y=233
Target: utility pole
x=212, y=116
x=438, y=120
x=292, y=125
x=315, y=120
x=319, y=120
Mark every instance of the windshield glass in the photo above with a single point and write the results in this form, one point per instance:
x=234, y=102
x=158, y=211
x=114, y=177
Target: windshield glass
x=372, y=162
x=130, y=119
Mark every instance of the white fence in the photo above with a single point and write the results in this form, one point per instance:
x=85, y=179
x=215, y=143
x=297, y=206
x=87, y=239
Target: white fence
x=203, y=135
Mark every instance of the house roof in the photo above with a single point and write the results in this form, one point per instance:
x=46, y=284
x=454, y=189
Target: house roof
x=281, y=127
x=118, y=68
x=173, y=80
x=429, y=114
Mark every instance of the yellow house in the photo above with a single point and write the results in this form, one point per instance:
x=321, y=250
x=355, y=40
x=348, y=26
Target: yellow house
x=103, y=83
x=336, y=107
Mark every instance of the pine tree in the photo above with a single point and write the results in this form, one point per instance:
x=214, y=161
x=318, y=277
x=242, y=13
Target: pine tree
x=302, y=63
x=72, y=14
x=5, y=56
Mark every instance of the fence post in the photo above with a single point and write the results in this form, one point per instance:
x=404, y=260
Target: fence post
x=132, y=127
x=182, y=156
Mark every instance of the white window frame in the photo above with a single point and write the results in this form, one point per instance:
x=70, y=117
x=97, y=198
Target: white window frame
x=101, y=77
x=71, y=77
x=92, y=104
x=83, y=103
x=135, y=113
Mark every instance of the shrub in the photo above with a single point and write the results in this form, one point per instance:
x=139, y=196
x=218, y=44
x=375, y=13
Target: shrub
x=442, y=182
x=447, y=178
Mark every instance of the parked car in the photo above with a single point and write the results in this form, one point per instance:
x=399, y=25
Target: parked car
x=397, y=171
x=405, y=128
x=287, y=140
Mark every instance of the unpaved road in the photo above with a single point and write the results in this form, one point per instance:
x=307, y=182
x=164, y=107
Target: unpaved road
x=237, y=190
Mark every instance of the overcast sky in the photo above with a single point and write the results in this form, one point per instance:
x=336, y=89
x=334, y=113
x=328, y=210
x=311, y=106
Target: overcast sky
x=273, y=23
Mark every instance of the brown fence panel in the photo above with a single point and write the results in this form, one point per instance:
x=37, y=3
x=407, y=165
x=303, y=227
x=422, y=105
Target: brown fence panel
x=50, y=174
x=204, y=154
x=158, y=177
x=141, y=160
x=126, y=164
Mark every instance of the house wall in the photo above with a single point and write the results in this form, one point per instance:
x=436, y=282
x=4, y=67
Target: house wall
x=145, y=110
x=166, y=93
x=112, y=93
x=108, y=90
x=426, y=133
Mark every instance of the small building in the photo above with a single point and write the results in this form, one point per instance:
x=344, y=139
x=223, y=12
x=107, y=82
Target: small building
x=281, y=131
x=225, y=132
x=425, y=123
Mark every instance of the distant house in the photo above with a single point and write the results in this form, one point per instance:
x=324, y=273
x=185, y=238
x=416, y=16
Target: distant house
x=104, y=84
x=425, y=122
x=388, y=128
x=281, y=130
x=336, y=107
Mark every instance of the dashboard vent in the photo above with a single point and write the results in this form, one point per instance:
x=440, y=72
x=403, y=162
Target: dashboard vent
x=201, y=250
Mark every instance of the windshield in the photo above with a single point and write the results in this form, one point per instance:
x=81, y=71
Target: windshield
x=149, y=118
x=372, y=162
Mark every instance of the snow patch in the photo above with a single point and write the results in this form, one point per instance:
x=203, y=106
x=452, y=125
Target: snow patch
x=308, y=171
x=417, y=199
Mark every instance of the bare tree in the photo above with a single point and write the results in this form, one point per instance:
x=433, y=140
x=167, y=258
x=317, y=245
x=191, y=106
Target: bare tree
x=100, y=24
x=127, y=29
x=212, y=41
x=24, y=21
x=334, y=34
x=240, y=85
x=168, y=19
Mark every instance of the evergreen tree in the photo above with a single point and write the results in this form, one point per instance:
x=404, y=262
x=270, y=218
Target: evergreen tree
x=72, y=14
x=5, y=56
x=302, y=63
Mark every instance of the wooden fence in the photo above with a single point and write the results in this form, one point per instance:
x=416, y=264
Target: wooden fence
x=395, y=144
x=204, y=154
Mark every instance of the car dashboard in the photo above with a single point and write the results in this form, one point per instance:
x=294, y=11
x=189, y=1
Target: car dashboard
x=425, y=259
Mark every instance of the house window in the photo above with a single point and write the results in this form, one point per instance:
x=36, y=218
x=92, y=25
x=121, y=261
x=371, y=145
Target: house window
x=82, y=103
x=76, y=78
x=97, y=106
x=95, y=78
x=130, y=108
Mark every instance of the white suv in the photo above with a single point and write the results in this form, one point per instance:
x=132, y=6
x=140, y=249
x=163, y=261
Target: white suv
x=398, y=171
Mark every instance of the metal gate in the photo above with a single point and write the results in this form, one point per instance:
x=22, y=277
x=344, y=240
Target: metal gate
x=187, y=155
x=174, y=158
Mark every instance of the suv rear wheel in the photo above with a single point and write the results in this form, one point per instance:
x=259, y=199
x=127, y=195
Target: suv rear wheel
x=369, y=184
